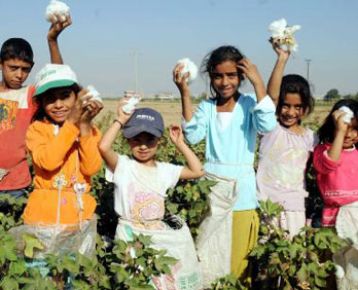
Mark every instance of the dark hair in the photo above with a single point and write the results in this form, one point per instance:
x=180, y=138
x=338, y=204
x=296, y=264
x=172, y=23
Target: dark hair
x=40, y=113
x=326, y=132
x=17, y=48
x=217, y=56
x=296, y=84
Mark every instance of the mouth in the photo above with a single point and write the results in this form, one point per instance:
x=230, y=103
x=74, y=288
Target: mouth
x=59, y=113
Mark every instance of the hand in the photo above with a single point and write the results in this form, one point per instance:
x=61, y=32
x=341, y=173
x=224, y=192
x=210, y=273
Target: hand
x=181, y=80
x=57, y=28
x=77, y=110
x=121, y=115
x=281, y=53
x=176, y=135
x=339, y=122
x=249, y=70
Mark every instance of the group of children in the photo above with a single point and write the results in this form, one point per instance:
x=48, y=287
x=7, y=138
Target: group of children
x=53, y=121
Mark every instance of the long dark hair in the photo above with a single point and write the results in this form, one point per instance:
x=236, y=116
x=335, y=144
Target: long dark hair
x=293, y=83
x=218, y=56
x=327, y=131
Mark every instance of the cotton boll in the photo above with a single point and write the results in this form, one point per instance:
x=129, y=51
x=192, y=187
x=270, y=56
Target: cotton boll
x=189, y=67
x=130, y=105
x=283, y=33
x=339, y=272
x=57, y=11
x=95, y=95
x=277, y=28
x=348, y=114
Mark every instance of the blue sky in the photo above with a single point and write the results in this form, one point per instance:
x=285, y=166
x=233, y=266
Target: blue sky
x=101, y=43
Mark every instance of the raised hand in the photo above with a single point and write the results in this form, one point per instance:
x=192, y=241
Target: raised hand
x=176, y=135
x=281, y=53
x=180, y=79
x=57, y=27
x=338, y=117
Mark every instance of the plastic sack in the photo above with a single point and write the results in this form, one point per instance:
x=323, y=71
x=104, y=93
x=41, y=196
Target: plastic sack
x=178, y=244
x=59, y=239
x=347, y=259
x=215, y=232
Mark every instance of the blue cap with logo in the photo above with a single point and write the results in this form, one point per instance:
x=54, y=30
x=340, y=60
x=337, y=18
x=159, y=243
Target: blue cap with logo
x=144, y=120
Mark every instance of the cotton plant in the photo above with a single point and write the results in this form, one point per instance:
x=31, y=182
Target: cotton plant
x=57, y=11
x=188, y=67
x=284, y=34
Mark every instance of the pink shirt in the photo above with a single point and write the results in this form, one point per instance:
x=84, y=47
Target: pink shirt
x=337, y=180
x=283, y=158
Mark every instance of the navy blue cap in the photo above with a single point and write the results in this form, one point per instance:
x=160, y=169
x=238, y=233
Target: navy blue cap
x=144, y=120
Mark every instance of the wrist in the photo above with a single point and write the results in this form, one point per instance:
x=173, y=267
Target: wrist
x=119, y=123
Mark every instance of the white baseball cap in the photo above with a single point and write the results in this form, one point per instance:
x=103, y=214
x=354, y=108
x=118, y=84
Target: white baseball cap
x=54, y=76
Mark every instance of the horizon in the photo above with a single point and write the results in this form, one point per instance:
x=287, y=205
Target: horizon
x=118, y=46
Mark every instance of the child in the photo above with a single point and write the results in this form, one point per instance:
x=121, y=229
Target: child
x=336, y=160
x=229, y=123
x=141, y=184
x=17, y=108
x=284, y=152
x=63, y=144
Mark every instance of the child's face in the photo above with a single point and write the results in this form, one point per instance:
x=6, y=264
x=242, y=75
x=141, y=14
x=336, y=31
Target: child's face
x=58, y=104
x=14, y=73
x=351, y=137
x=144, y=147
x=291, y=111
x=225, y=79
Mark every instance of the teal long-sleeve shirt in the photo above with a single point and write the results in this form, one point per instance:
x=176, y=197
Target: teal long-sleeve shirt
x=230, y=151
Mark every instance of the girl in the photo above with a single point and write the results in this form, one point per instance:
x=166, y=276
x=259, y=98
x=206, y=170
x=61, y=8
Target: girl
x=229, y=122
x=141, y=184
x=336, y=160
x=63, y=144
x=284, y=152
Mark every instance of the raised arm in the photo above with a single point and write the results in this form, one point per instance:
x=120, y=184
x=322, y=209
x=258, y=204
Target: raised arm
x=53, y=33
x=251, y=72
x=181, y=82
x=105, y=146
x=274, y=84
x=341, y=129
x=194, y=168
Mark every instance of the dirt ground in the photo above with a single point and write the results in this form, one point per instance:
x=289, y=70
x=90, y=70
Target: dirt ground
x=171, y=111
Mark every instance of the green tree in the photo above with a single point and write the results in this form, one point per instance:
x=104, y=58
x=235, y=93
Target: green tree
x=332, y=94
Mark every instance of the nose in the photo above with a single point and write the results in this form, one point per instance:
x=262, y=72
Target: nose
x=291, y=111
x=224, y=80
x=19, y=73
x=58, y=103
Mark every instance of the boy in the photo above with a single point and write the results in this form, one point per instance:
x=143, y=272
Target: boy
x=17, y=108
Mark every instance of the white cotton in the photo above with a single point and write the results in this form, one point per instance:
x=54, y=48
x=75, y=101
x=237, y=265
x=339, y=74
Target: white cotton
x=348, y=116
x=277, y=28
x=189, y=67
x=57, y=11
x=284, y=34
x=339, y=272
x=95, y=95
x=130, y=105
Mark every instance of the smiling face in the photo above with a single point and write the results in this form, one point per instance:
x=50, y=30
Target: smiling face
x=351, y=137
x=291, y=111
x=58, y=104
x=144, y=147
x=14, y=73
x=225, y=79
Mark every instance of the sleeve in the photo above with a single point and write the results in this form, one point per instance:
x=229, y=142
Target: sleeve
x=196, y=129
x=321, y=161
x=264, y=115
x=90, y=158
x=171, y=172
x=49, y=154
x=121, y=162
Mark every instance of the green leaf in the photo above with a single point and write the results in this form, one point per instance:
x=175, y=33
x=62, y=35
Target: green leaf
x=31, y=243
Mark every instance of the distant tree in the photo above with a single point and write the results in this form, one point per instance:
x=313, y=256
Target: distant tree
x=332, y=94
